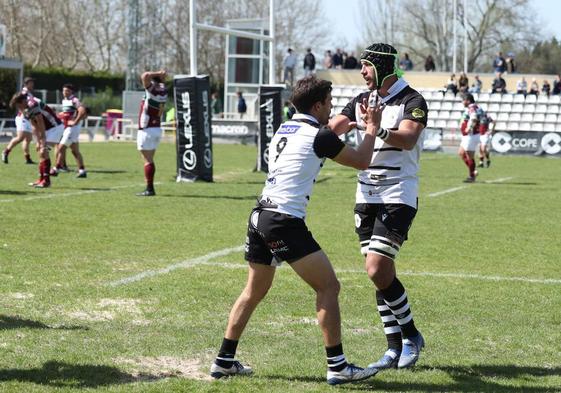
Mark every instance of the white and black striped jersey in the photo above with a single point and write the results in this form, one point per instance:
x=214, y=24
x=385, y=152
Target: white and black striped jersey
x=296, y=154
x=392, y=174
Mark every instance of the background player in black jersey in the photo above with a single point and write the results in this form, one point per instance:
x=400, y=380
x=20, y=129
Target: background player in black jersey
x=277, y=231
x=386, y=197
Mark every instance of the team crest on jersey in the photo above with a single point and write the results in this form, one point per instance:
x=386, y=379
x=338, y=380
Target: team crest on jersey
x=418, y=113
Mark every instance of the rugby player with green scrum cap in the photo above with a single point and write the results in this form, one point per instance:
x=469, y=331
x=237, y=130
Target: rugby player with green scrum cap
x=386, y=194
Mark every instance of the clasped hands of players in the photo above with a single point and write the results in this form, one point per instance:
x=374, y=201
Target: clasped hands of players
x=371, y=113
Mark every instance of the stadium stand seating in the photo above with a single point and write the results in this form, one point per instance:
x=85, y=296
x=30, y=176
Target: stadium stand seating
x=511, y=112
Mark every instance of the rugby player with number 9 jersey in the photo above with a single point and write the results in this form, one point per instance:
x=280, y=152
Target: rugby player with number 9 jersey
x=277, y=231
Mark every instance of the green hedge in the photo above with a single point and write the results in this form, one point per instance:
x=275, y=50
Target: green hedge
x=54, y=78
x=101, y=101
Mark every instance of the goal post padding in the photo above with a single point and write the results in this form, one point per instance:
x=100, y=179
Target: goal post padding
x=193, y=134
x=270, y=119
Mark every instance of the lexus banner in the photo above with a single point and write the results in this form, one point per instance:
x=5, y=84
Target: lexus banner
x=193, y=134
x=270, y=119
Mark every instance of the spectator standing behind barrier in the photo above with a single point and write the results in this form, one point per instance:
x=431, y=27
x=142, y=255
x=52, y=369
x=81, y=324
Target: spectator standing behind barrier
x=452, y=86
x=476, y=86
x=350, y=62
x=510, y=65
x=556, y=85
x=546, y=87
x=215, y=104
x=406, y=64
x=534, y=88
x=499, y=84
x=338, y=59
x=522, y=86
x=499, y=64
x=463, y=83
x=309, y=62
x=429, y=64
x=328, y=60
x=242, y=106
x=289, y=63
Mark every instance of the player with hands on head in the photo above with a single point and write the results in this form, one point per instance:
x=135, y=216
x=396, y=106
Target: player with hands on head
x=149, y=127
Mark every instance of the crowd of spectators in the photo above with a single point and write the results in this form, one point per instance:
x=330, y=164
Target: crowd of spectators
x=499, y=85
x=340, y=60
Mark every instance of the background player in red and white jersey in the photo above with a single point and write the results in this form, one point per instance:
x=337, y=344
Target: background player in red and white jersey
x=469, y=127
x=73, y=112
x=485, y=138
x=24, y=134
x=149, y=130
x=47, y=128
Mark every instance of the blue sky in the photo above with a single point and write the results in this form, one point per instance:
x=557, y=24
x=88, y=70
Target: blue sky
x=342, y=19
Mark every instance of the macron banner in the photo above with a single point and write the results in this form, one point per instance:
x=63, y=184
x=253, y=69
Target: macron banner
x=193, y=134
x=270, y=119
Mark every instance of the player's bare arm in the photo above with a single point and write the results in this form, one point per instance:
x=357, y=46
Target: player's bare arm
x=38, y=125
x=341, y=124
x=80, y=115
x=406, y=136
x=147, y=76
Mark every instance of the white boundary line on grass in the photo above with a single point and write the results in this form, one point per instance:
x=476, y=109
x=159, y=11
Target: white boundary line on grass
x=184, y=264
x=205, y=260
x=66, y=194
x=454, y=189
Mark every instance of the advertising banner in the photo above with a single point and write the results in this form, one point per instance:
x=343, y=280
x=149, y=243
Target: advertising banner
x=270, y=119
x=194, y=128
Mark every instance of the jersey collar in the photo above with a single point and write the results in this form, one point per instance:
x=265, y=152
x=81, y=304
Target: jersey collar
x=303, y=116
x=394, y=89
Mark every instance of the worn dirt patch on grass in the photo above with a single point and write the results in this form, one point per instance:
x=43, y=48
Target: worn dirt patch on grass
x=150, y=368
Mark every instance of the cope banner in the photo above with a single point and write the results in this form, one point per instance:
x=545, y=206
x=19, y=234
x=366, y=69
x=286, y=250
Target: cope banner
x=270, y=119
x=193, y=134
x=527, y=142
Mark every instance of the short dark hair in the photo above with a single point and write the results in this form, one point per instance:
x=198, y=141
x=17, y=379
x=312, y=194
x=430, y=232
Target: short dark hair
x=469, y=97
x=16, y=99
x=68, y=86
x=308, y=91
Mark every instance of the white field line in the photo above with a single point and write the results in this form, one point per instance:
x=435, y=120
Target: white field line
x=180, y=265
x=205, y=260
x=75, y=193
x=500, y=180
x=435, y=194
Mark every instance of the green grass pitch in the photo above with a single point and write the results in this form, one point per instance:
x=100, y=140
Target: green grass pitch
x=481, y=267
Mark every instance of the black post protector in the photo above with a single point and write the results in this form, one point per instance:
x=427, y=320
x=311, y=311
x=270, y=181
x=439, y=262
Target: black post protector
x=194, y=128
x=270, y=119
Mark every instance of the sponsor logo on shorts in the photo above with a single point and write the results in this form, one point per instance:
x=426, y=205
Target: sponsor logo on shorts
x=278, y=246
